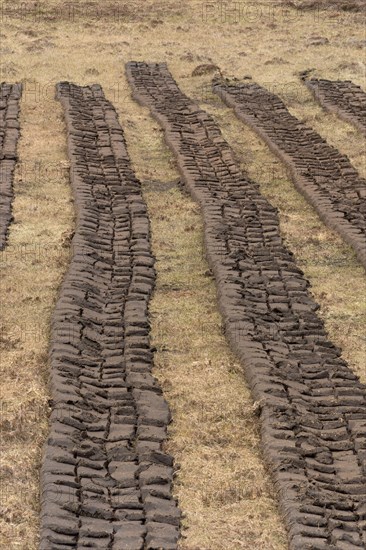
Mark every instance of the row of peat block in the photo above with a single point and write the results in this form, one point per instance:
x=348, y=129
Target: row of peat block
x=342, y=97
x=105, y=480
x=9, y=133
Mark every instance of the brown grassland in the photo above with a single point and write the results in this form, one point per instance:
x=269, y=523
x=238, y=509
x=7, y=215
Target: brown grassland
x=223, y=486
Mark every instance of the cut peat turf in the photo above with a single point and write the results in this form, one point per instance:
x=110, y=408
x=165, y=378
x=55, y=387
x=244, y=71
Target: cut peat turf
x=106, y=481
x=342, y=97
x=9, y=134
x=320, y=172
x=311, y=405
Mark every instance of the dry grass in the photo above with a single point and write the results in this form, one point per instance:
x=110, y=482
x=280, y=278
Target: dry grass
x=223, y=488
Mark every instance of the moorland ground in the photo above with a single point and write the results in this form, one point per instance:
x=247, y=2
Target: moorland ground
x=223, y=487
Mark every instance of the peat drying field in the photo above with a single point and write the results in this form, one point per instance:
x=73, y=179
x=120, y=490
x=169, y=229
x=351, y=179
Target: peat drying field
x=182, y=275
